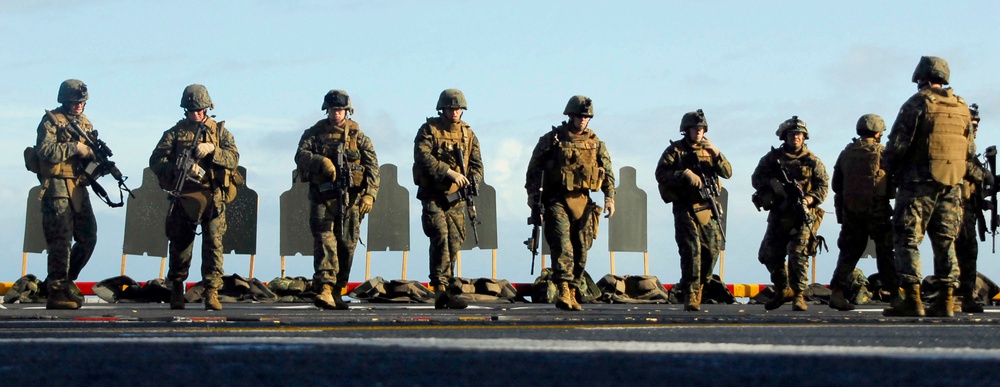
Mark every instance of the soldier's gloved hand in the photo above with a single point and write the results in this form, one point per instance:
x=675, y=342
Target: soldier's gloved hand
x=366, y=204
x=709, y=146
x=203, y=150
x=328, y=168
x=196, y=171
x=777, y=187
x=609, y=207
x=808, y=201
x=692, y=178
x=84, y=151
x=458, y=178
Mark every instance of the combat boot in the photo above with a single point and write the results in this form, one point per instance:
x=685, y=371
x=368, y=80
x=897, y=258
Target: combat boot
x=211, y=296
x=693, y=301
x=799, y=302
x=325, y=298
x=572, y=296
x=565, y=300
x=338, y=298
x=910, y=304
x=57, y=298
x=838, y=301
x=441, y=297
x=454, y=290
x=779, y=298
x=177, y=295
x=74, y=293
x=942, y=305
x=969, y=304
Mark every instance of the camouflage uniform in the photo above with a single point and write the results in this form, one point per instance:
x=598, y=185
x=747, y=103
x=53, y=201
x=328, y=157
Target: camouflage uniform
x=862, y=199
x=786, y=233
x=698, y=237
x=201, y=203
x=443, y=221
x=571, y=218
x=333, y=246
x=66, y=211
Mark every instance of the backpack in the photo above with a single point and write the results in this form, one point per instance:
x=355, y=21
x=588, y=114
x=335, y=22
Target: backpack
x=378, y=290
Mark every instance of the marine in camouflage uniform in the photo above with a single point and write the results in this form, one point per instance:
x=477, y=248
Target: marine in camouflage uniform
x=446, y=158
x=966, y=245
x=208, y=186
x=679, y=176
x=861, y=196
x=927, y=156
x=323, y=147
x=574, y=162
x=791, y=224
x=68, y=221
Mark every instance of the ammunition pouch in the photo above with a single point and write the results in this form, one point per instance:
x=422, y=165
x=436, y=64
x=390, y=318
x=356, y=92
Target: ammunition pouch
x=764, y=200
x=702, y=213
x=668, y=193
x=576, y=204
x=194, y=204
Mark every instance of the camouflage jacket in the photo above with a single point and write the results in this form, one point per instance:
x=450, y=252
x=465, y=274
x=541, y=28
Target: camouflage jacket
x=682, y=155
x=907, y=150
x=320, y=142
x=804, y=168
x=548, y=156
x=180, y=137
x=433, y=156
x=56, y=148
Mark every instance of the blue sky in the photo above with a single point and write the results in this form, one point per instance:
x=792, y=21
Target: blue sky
x=749, y=65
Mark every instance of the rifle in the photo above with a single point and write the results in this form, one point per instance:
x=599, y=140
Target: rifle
x=100, y=165
x=186, y=161
x=794, y=194
x=535, y=220
x=991, y=191
x=467, y=192
x=342, y=183
x=709, y=191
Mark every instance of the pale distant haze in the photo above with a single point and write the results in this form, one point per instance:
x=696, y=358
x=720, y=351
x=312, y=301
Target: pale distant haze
x=267, y=65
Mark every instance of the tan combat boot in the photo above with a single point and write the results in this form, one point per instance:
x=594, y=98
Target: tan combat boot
x=211, y=296
x=942, y=305
x=338, y=298
x=779, y=298
x=838, y=301
x=572, y=296
x=910, y=304
x=177, y=295
x=969, y=304
x=57, y=297
x=441, y=297
x=565, y=300
x=325, y=298
x=693, y=301
x=799, y=302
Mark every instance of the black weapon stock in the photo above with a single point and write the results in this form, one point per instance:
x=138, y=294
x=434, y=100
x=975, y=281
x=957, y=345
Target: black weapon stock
x=343, y=182
x=991, y=190
x=535, y=220
x=100, y=165
x=183, y=165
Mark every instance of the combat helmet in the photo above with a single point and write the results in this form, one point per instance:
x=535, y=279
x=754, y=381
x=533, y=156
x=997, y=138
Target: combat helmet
x=452, y=98
x=195, y=97
x=694, y=119
x=337, y=99
x=792, y=125
x=974, y=112
x=72, y=90
x=931, y=68
x=579, y=105
x=870, y=123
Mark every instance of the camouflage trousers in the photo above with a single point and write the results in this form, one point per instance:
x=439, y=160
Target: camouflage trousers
x=782, y=238
x=967, y=248
x=855, y=231
x=937, y=210
x=698, y=246
x=333, y=242
x=569, y=240
x=444, y=224
x=61, y=226
x=181, y=232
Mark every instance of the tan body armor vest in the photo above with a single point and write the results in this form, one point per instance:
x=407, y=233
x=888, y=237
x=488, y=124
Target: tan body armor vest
x=864, y=179
x=445, y=143
x=65, y=169
x=574, y=163
x=329, y=144
x=941, y=139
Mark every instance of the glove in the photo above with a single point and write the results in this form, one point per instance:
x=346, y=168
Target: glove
x=708, y=145
x=609, y=207
x=777, y=187
x=808, y=201
x=196, y=171
x=692, y=178
x=84, y=151
x=203, y=150
x=328, y=168
x=458, y=178
x=366, y=204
